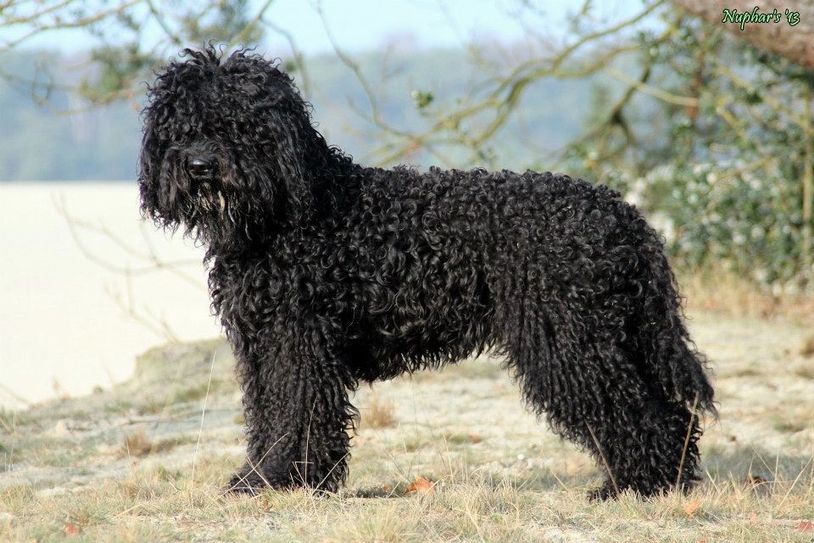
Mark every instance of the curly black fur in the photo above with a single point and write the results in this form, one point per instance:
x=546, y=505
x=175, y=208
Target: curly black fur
x=326, y=273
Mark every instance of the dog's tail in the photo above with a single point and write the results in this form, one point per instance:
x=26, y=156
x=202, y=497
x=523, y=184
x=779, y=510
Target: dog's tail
x=670, y=355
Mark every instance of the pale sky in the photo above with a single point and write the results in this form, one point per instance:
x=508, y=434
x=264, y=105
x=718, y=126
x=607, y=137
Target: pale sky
x=366, y=24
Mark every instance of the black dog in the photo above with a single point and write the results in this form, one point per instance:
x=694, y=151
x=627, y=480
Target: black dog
x=326, y=273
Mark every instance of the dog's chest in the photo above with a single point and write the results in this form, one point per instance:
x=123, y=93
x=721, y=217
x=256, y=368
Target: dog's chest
x=248, y=293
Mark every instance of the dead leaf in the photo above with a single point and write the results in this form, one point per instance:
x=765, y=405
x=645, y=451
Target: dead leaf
x=71, y=529
x=421, y=485
x=804, y=526
x=692, y=507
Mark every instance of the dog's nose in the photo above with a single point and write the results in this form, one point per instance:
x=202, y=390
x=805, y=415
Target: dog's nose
x=200, y=167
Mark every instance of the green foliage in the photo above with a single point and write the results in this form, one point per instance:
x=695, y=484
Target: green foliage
x=117, y=68
x=422, y=99
x=742, y=202
x=726, y=173
x=221, y=22
x=128, y=52
x=741, y=221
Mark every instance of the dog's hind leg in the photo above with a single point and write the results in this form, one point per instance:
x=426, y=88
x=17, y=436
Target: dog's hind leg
x=593, y=393
x=297, y=411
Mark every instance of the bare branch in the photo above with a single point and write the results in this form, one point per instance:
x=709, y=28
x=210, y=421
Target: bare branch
x=655, y=92
x=507, y=91
x=157, y=325
x=768, y=99
x=299, y=58
x=153, y=262
x=162, y=22
x=375, y=114
x=243, y=32
x=39, y=26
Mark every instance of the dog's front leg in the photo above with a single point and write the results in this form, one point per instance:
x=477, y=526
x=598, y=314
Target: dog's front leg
x=295, y=396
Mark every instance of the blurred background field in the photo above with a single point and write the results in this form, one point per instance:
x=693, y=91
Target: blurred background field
x=706, y=128
x=68, y=322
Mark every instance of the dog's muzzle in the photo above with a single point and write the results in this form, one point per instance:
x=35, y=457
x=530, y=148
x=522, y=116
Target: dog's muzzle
x=201, y=168
x=203, y=171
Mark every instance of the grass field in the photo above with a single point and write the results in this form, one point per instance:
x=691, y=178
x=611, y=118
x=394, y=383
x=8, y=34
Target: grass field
x=447, y=456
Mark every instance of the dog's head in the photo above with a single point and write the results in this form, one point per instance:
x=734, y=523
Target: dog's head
x=228, y=146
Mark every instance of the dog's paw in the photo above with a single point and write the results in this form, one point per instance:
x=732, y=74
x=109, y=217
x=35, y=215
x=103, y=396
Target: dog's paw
x=603, y=493
x=246, y=482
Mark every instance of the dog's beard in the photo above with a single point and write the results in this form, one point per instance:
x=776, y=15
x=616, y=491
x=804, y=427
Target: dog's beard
x=211, y=200
x=213, y=212
x=211, y=209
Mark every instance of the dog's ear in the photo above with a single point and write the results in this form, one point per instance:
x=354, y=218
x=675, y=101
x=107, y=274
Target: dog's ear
x=149, y=166
x=158, y=200
x=292, y=141
x=161, y=129
x=292, y=151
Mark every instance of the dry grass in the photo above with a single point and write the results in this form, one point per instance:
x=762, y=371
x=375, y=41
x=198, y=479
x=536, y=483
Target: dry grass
x=138, y=443
x=155, y=504
x=806, y=371
x=721, y=291
x=9, y=419
x=496, y=473
x=378, y=413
